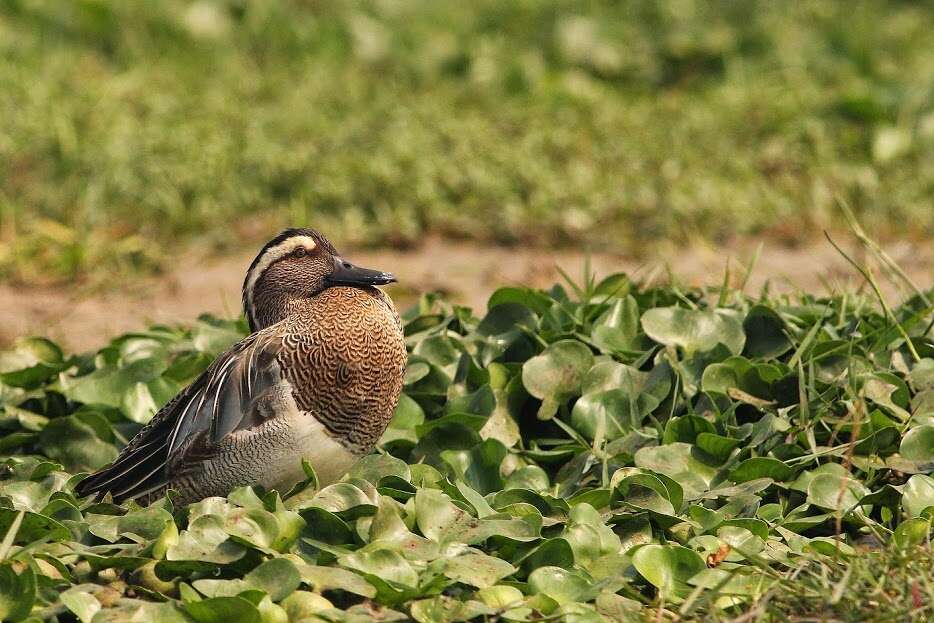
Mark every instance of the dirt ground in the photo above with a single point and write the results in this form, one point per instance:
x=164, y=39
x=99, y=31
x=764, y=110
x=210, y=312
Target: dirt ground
x=467, y=273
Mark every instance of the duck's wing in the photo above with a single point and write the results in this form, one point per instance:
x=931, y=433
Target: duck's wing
x=219, y=402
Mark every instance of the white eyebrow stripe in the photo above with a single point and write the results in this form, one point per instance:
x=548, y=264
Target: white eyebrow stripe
x=274, y=254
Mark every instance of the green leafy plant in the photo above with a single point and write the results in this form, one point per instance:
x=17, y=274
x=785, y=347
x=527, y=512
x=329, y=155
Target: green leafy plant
x=613, y=453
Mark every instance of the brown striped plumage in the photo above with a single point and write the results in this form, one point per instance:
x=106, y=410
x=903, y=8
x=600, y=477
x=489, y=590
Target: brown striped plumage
x=318, y=379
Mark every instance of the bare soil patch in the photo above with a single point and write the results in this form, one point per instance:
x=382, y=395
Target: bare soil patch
x=467, y=273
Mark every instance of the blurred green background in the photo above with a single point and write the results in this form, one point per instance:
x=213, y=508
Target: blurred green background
x=130, y=129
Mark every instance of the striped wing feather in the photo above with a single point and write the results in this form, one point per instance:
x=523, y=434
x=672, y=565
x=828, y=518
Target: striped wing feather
x=216, y=404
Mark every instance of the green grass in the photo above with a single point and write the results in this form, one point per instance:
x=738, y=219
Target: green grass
x=131, y=128
x=600, y=451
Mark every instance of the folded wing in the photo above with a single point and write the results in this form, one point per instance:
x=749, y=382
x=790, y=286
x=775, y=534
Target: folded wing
x=218, y=403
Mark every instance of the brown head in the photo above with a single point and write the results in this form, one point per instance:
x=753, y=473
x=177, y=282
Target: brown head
x=298, y=263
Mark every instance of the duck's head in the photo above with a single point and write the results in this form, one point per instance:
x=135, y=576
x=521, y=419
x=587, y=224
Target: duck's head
x=295, y=264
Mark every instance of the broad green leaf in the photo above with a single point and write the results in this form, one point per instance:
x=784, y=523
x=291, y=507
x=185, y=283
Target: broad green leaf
x=616, y=329
x=223, y=610
x=477, y=569
x=17, y=592
x=761, y=467
x=302, y=605
x=322, y=578
x=835, y=493
x=765, y=333
x=918, y=494
x=75, y=444
x=382, y=563
x=678, y=462
x=561, y=585
x=918, y=443
x=693, y=330
x=555, y=375
x=444, y=609
x=912, y=533
x=668, y=567
x=278, y=577
x=81, y=602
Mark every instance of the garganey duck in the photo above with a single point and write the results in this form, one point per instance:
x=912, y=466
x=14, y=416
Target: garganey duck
x=317, y=378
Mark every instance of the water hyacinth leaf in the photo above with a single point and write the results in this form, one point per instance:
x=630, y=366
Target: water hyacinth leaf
x=444, y=609
x=212, y=336
x=477, y=569
x=555, y=375
x=407, y=416
x=341, y=497
x=720, y=377
x=921, y=376
x=223, y=610
x=17, y=591
x=438, y=518
x=918, y=495
x=75, y=444
x=589, y=537
x=205, y=540
x=646, y=491
x=478, y=467
x=610, y=375
x=527, y=297
x=618, y=608
x=912, y=533
x=479, y=402
x=717, y=446
x=382, y=563
x=108, y=385
x=32, y=527
x=835, y=493
x=556, y=552
x=531, y=477
x=918, y=443
x=889, y=392
x=668, y=567
x=686, y=429
x=678, y=462
x=761, y=467
x=321, y=578
x=561, y=585
x=502, y=329
x=500, y=596
x=138, y=403
x=439, y=350
x=882, y=441
x=616, y=329
x=497, y=494
x=611, y=414
x=693, y=330
x=766, y=336
x=278, y=577
x=304, y=606
x=30, y=362
x=415, y=371
x=148, y=523
x=374, y=467
x=633, y=531
x=81, y=602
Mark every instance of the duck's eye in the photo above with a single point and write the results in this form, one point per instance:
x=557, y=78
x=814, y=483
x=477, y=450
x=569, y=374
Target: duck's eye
x=300, y=252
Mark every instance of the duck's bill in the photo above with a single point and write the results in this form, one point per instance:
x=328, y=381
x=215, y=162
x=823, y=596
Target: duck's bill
x=346, y=274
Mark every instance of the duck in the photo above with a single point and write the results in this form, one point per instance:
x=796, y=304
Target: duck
x=317, y=380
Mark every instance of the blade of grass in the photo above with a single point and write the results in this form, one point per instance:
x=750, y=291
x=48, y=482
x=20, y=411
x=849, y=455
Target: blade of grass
x=10, y=537
x=875, y=287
